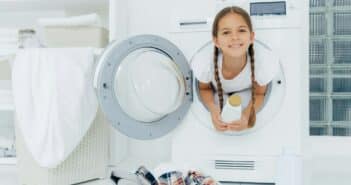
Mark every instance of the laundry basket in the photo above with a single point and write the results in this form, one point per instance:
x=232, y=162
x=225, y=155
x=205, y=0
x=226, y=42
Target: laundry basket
x=87, y=162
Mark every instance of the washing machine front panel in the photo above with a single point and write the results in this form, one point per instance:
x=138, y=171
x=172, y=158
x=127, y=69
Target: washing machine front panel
x=144, y=86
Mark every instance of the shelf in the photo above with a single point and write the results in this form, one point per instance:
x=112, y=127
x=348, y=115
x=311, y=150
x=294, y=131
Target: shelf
x=8, y=161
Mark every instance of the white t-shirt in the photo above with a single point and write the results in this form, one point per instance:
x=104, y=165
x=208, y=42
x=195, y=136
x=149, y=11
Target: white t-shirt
x=266, y=67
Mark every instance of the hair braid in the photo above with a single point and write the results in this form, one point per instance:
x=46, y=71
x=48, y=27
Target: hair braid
x=218, y=81
x=252, y=117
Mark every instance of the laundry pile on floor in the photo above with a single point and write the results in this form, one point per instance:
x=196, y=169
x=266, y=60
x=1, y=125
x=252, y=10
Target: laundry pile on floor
x=193, y=177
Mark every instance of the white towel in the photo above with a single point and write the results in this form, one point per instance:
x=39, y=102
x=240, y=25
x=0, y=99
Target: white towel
x=83, y=20
x=54, y=100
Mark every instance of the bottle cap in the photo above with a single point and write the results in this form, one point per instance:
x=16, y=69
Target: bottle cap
x=234, y=100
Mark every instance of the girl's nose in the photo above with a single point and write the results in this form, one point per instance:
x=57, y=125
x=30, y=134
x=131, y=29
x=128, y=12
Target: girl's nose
x=234, y=36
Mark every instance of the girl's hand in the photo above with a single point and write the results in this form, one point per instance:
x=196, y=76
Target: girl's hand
x=239, y=125
x=216, y=120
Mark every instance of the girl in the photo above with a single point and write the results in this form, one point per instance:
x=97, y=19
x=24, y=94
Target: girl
x=233, y=68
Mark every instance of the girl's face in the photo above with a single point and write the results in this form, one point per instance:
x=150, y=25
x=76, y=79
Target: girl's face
x=233, y=36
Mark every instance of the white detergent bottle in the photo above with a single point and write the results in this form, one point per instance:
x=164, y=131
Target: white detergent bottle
x=232, y=109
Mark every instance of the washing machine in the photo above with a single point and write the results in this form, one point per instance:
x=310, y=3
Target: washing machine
x=146, y=89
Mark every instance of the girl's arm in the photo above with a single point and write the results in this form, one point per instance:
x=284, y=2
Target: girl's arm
x=207, y=97
x=206, y=94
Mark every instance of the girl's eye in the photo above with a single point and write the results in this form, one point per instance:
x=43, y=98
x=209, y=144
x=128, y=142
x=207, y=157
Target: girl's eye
x=242, y=30
x=226, y=33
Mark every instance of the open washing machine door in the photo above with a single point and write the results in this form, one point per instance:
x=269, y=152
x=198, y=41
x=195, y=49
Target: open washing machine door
x=144, y=86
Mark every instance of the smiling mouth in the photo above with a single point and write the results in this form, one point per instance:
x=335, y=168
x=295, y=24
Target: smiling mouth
x=235, y=45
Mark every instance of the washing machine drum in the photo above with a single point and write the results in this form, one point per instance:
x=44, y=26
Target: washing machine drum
x=144, y=86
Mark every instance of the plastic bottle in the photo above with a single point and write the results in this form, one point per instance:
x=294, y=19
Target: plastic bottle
x=232, y=109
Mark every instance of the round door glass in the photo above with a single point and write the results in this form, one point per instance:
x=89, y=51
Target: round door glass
x=144, y=86
x=149, y=85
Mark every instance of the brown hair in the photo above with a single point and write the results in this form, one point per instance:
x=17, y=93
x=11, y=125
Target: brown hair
x=246, y=17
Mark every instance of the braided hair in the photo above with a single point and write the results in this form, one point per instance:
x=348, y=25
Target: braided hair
x=244, y=14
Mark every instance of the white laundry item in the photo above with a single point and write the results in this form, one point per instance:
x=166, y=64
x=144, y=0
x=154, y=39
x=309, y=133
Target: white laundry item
x=82, y=20
x=54, y=100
